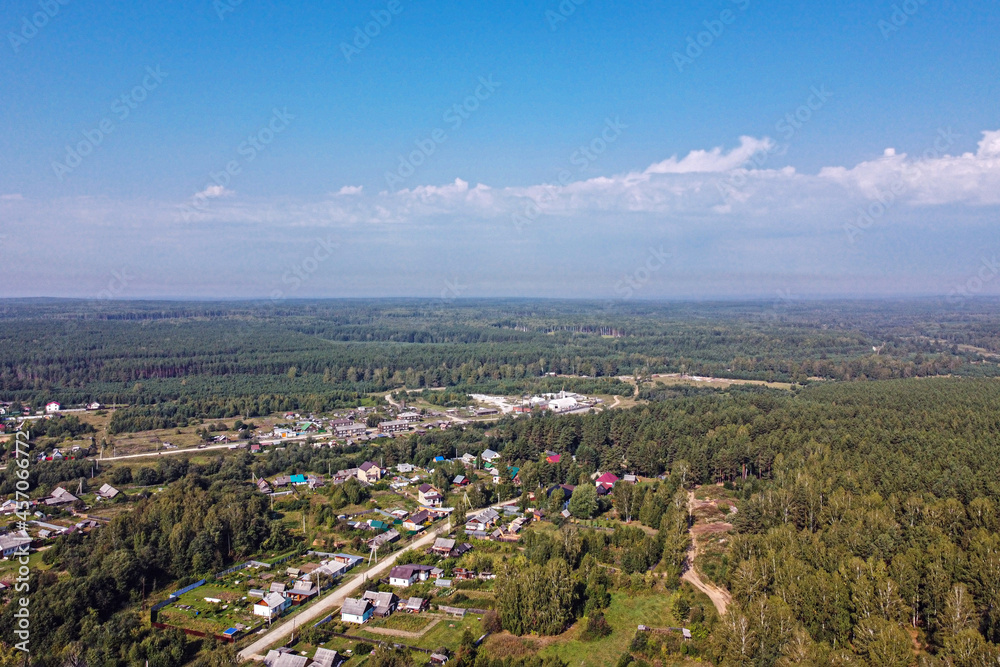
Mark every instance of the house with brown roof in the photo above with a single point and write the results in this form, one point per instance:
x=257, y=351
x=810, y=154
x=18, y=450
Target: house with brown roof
x=369, y=472
x=428, y=495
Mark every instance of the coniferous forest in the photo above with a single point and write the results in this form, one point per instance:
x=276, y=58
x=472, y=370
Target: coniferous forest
x=866, y=518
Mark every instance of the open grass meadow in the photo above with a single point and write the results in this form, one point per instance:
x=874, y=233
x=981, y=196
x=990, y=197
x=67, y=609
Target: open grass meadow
x=624, y=616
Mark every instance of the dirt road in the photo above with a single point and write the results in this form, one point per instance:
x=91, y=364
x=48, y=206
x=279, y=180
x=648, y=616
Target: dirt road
x=324, y=606
x=720, y=597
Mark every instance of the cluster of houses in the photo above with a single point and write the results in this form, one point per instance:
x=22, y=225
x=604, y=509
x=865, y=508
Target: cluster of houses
x=495, y=526
x=344, y=426
x=10, y=409
x=380, y=605
x=305, y=583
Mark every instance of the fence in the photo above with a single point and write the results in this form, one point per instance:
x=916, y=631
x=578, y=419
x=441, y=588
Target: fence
x=186, y=589
x=172, y=598
x=234, y=568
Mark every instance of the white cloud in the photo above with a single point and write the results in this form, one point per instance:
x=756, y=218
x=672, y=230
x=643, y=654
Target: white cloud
x=704, y=189
x=935, y=177
x=214, y=192
x=715, y=160
x=12, y=197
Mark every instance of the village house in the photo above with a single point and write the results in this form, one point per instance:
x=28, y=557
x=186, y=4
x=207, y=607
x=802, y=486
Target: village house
x=60, y=496
x=330, y=570
x=567, y=490
x=408, y=416
x=442, y=547
x=301, y=591
x=14, y=543
x=407, y=575
x=384, y=538
x=349, y=560
x=263, y=486
x=428, y=495
x=417, y=521
x=488, y=517
x=356, y=611
x=272, y=605
x=52, y=407
x=385, y=603
x=489, y=456
x=342, y=476
x=107, y=492
x=369, y=472
x=606, y=483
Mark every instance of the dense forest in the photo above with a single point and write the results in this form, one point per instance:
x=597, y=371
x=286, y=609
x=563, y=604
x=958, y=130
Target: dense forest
x=233, y=358
x=866, y=530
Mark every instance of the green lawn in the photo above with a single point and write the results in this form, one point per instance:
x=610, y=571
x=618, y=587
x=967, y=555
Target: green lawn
x=624, y=616
x=9, y=567
x=210, y=616
x=448, y=632
x=403, y=621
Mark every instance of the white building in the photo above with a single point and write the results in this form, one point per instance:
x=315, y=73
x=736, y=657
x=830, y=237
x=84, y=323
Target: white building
x=407, y=575
x=272, y=605
x=563, y=404
x=14, y=543
x=52, y=407
x=356, y=610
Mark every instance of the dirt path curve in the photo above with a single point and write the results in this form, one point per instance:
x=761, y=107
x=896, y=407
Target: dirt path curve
x=256, y=650
x=720, y=597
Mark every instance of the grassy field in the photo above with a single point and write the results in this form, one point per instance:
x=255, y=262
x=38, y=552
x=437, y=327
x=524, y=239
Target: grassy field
x=624, y=615
x=9, y=566
x=403, y=621
x=448, y=633
x=210, y=616
x=676, y=379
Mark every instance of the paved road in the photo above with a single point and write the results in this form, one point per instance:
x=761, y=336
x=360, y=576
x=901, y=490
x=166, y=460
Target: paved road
x=162, y=452
x=333, y=600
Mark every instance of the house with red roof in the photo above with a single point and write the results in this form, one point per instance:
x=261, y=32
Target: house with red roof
x=605, y=483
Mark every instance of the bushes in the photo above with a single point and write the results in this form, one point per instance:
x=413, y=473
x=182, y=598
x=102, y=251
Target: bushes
x=596, y=628
x=491, y=622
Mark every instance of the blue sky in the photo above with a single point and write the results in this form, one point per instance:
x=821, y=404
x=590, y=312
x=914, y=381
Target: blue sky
x=692, y=153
